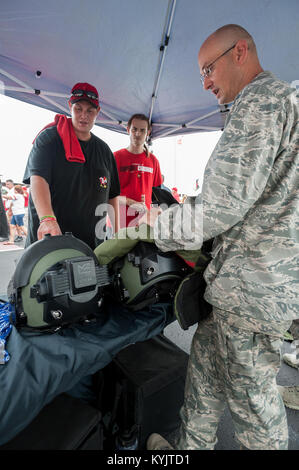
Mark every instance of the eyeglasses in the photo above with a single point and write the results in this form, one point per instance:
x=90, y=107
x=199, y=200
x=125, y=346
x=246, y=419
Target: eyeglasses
x=89, y=94
x=207, y=71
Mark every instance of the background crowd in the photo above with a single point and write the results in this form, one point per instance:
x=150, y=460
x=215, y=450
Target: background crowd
x=14, y=205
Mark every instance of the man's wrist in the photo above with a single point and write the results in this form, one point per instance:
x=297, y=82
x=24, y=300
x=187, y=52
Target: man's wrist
x=47, y=218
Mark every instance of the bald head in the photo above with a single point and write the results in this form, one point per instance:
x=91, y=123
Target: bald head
x=229, y=54
x=230, y=34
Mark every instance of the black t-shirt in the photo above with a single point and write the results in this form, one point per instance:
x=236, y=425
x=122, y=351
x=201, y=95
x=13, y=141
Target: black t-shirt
x=77, y=189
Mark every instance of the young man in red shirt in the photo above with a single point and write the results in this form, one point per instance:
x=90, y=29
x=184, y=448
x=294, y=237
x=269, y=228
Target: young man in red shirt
x=138, y=170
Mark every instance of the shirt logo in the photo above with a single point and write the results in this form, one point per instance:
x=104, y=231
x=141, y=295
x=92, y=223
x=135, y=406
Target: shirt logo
x=134, y=167
x=103, y=181
x=145, y=169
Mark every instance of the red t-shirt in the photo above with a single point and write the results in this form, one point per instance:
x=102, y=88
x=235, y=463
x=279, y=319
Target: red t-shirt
x=138, y=174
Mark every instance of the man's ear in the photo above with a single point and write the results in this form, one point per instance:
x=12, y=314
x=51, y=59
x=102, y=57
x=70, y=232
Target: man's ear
x=98, y=110
x=241, y=51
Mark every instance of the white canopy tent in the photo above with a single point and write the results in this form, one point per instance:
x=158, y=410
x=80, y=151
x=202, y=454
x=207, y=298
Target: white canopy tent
x=140, y=54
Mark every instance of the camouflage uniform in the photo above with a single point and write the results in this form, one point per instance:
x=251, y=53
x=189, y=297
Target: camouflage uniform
x=250, y=206
x=223, y=368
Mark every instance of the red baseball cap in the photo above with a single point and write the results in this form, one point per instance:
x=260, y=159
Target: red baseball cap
x=86, y=92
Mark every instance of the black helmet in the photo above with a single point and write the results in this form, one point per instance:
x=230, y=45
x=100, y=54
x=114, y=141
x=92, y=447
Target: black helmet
x=147, y=275
x=57, y=281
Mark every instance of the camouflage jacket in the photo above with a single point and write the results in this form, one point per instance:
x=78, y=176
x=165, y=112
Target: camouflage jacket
x=250, y=206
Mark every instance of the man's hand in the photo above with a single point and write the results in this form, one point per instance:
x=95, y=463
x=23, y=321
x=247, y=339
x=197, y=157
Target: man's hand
x=139, y=207
x=48, y=226
x=150, y=216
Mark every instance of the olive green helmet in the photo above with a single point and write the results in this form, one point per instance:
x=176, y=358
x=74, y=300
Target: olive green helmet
x=147, y=275
x=57, y=281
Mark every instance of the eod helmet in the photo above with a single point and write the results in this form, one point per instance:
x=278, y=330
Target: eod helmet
x=147, y=275
x=57, y=281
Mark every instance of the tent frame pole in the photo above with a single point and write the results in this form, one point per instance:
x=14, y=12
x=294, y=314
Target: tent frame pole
x=189, y=125
x=163, y=49
x=24, y=88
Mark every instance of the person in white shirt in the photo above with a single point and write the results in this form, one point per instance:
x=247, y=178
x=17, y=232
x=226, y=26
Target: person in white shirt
x=17, y=206
x=10, y=188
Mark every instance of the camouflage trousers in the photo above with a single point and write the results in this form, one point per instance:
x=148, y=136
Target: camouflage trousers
x=234, y=367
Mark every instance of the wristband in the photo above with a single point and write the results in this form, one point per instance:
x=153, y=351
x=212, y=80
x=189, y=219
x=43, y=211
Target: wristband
x=47, y=217
x=48, y=220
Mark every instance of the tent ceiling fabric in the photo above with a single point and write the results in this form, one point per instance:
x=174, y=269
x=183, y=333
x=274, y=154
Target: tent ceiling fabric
x=118, y=46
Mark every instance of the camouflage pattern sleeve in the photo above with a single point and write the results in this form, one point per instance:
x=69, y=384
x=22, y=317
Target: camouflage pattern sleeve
x=237, y=171
x=240, y=175
x=249, y=206
x=180, y=227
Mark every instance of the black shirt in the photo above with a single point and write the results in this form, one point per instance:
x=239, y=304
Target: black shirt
x=77, y=189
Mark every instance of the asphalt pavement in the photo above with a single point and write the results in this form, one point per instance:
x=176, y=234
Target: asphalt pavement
x=9, y=255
